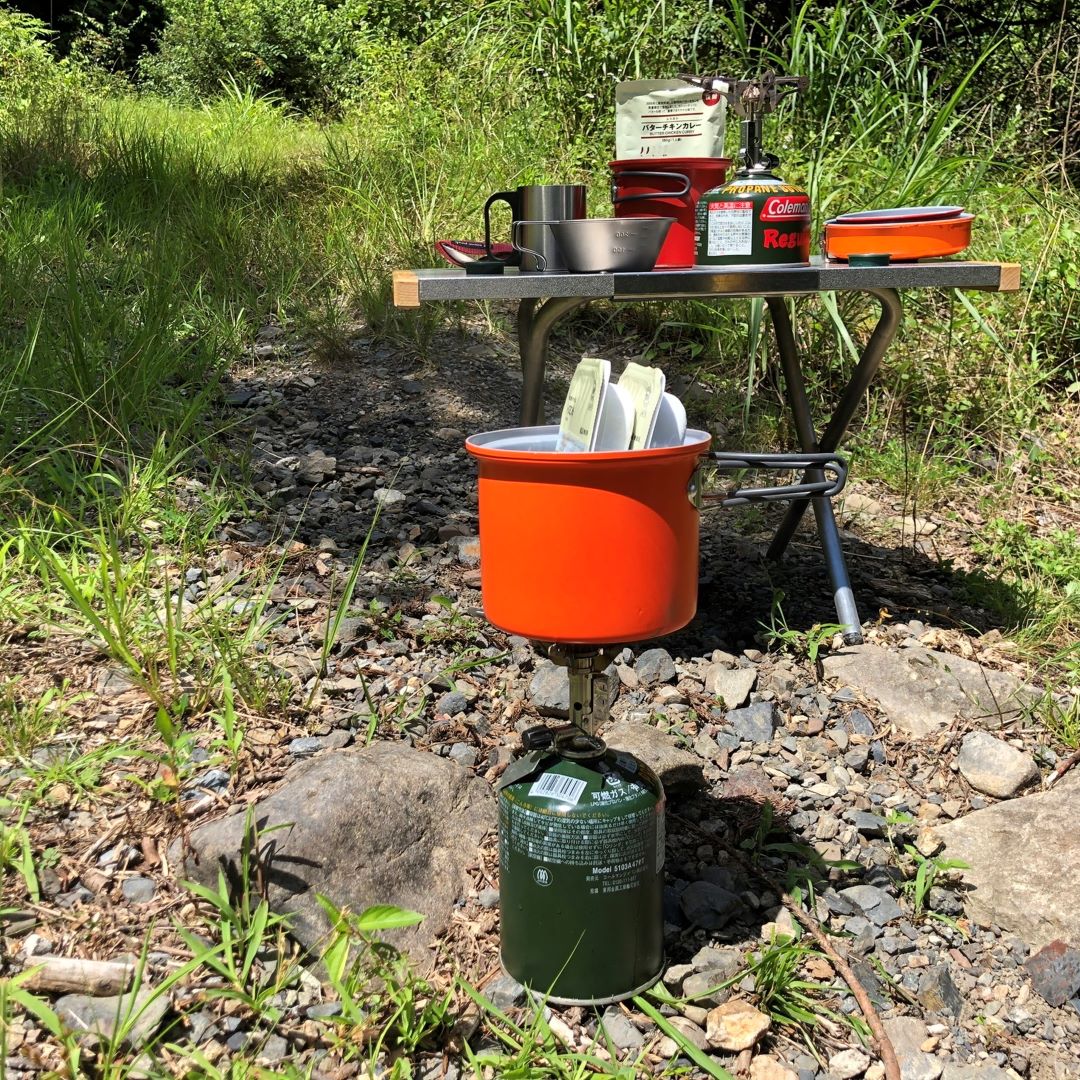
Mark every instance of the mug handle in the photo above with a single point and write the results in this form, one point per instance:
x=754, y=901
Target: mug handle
x=680, y=178
x=512, y=200
x=541, y=261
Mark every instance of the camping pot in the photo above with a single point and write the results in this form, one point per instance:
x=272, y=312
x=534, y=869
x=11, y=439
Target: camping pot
x=602, y=547
x=537, y=203
x=666, y=187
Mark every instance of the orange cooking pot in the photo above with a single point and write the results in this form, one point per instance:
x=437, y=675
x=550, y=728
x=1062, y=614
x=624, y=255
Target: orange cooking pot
x=602, y=547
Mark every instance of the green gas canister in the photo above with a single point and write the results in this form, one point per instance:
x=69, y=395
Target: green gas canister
x=756, y=218
x=581, y=855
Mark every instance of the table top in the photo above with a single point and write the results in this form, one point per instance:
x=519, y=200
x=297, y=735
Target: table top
x=414, y=287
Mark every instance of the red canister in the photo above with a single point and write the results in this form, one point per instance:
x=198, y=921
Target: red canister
x=666, y=187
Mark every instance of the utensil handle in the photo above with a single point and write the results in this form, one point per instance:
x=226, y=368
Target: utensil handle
x=541, y=260
x=679, y=178
x=816, y=465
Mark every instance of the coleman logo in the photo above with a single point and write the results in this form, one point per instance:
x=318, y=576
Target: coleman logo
x=785, y=207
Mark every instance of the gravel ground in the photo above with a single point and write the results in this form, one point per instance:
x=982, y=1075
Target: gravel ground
x=330, y=443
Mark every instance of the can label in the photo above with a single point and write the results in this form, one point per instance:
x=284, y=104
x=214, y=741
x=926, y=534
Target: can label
x=730, y=227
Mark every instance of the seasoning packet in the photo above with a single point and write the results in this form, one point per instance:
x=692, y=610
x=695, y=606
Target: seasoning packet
x=646, y=387
x=581, y=409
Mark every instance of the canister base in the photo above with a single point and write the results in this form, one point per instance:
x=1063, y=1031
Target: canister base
x=612, y=1000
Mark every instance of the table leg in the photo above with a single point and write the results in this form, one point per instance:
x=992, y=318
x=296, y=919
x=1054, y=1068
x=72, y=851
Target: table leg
x=534, y=326
x=869, y=362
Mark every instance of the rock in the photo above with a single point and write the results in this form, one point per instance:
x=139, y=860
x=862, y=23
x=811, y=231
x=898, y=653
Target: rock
x=381, y=825
x=451, y=704
x=130, y=1018
x=994, y=767
x=766, y=1067
x=488, y=898
x=1055, y=972
x=705, y=987
x=505, y=992
x=731, y=685
x=984, y=1070
x=690, y=1032
x=138, y=890
x=876, y=904
x=908, y=1034
x=467, y=550
x=313, y=468
x=735, y=1025
x=621, y=1032
x=922, y=691
x=678, y=769
x=755, y=723
x=274, y=1049
x=549, y=690
x=655, y=666
x=709, y=906
x=305, y=746
x=389, y=498
x=1035, y=836
x=868, y=824
x=938, y=993
x=848, y=1064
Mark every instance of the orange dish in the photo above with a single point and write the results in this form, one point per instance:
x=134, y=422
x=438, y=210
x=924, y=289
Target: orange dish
x=903, y=241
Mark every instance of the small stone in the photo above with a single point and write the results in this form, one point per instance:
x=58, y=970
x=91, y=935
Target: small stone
x=857, y=757
x=655, y=666
x=388, y=498
x=766, y=1067
x=736, y=1025
x=313, y=468
x=848, y=1064
x=731, y=686
x=876, y=904
x=620, y=1030
x=754, y=724
x=137, y=1014
x=984, y=1070
x=505, y=992
x=938, y=993
x=709, y=906
x=305, y=746
x=463, y=754
x=549, y=690
x=488, y=898
x=1055, y=972
x=138, y=890
x=907, y=1034
x=467, y=550
x=868, y=824
x=994, y=767
x=451, y=704
x=274, y=1049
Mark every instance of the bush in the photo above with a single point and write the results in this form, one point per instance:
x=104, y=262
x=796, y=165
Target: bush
x=308, y=53
x=28, y=70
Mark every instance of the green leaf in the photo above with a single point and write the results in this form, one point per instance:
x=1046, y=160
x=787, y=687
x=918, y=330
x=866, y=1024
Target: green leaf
x=386, y=917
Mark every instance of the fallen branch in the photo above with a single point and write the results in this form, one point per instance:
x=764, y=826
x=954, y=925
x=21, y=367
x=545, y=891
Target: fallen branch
x=69, y=975
x=1062, y=768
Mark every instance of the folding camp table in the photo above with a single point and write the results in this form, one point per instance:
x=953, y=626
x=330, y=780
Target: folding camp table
x=545, y=298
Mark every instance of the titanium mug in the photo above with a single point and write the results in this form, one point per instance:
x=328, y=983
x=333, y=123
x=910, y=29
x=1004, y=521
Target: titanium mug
x=533, y=205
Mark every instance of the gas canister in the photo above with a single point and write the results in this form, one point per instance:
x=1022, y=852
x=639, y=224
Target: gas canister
x=756, y=218
x=581, y=855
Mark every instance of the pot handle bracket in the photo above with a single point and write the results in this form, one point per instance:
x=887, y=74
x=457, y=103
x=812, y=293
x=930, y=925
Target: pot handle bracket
x=816, y=466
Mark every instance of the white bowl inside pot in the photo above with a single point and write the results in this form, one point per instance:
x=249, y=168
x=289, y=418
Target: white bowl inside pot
x=612, y=245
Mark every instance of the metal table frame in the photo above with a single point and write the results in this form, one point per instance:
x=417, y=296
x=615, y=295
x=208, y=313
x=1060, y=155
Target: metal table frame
x=544, y=299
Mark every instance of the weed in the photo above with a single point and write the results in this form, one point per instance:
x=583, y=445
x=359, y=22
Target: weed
x=929, y=871
x=26, y=725
x=806, y=643
x=17, y=854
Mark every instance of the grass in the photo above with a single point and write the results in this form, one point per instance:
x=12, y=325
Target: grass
x=144, y=244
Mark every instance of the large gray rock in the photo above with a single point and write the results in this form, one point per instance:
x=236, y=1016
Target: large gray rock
x=383, y=825
x=1025, y=863
x=130, y=1018
x=679, y=770
x=922, y=691
x=994, y=767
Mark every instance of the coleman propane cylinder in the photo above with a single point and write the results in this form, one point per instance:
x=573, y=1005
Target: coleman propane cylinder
x=581, y=854
x=756, y=217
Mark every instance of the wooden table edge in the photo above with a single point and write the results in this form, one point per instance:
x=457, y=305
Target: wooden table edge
x=406, y=289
